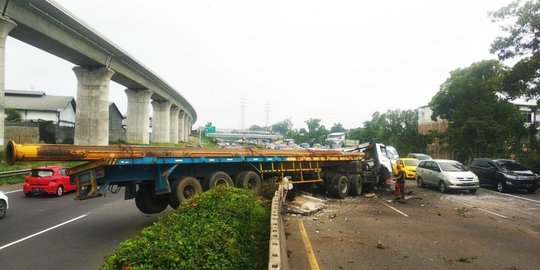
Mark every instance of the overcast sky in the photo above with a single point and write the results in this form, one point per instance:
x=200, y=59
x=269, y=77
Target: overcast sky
x=339, y=61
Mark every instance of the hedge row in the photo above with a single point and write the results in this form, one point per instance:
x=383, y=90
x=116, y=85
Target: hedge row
x=224, y=228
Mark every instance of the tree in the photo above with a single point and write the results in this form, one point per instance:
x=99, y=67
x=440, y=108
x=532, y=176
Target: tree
x=522, y=41
x=12, y=115
x=337, y=127
x=481, y=123
x=397, y=128
x=282, y=127
x=256, y=128
x=316, y=132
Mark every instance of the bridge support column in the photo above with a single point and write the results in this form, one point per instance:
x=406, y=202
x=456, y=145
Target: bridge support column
x=181, y=126
x=5, y=27
x=92, y=116
x=161, y=121
x=187, y=127
x=174, y=124
x=138, y=113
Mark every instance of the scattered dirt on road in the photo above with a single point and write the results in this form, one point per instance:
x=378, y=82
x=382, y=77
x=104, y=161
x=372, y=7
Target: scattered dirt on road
x=433, y=231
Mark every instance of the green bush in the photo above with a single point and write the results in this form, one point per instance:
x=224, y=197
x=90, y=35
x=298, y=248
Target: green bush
x=223, y=228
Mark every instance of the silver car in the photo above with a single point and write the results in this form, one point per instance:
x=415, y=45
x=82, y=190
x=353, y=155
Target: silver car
x=446, y=175
x=4, y=204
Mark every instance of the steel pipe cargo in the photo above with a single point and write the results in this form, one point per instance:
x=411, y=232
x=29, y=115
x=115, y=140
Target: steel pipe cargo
x=63, y=152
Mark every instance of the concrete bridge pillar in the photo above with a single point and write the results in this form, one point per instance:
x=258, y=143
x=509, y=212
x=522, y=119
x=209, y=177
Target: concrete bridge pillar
x=181, y=126
x=187, y=127
x=5, y=27
x=92, y=115
x=138, y=113
x=161, y=121
x=174, y=124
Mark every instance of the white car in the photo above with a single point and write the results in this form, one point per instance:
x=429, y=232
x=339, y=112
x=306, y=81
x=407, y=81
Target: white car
x=4, y=204
x=446, y=175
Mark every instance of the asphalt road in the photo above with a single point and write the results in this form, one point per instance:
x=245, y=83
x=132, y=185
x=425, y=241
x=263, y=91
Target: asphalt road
x=487, y=230
x=46, y=232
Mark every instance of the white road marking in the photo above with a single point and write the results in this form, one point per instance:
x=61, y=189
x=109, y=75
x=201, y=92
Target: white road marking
x=513, y=196
x=13, y=191
x=395, y=209
x=41, y=232
x=487, y=211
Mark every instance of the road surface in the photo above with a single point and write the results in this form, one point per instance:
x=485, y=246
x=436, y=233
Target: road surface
x=46, y=232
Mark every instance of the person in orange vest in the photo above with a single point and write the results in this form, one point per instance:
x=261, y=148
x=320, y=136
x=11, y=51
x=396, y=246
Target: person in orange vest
x=399, y=186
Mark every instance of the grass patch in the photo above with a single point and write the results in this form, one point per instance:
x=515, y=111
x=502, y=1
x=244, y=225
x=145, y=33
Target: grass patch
x=223, y=228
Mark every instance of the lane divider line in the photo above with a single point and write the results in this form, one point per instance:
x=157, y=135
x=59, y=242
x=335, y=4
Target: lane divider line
x=513, y=196
x=487, y=211
x=393, y=208
x=307, y=245
x=41, y=232
x=13, y=191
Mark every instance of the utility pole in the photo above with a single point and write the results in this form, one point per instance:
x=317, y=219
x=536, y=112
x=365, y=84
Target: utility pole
x=267, y=110
x=242, y=112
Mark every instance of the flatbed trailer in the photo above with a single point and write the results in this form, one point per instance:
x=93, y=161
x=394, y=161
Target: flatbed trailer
x=160, y=176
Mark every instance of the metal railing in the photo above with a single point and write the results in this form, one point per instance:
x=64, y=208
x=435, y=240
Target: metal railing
x=15, y=173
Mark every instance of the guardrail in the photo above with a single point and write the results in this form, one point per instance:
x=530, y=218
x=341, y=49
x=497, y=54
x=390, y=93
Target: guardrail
x=15, y=173
x=277, y=257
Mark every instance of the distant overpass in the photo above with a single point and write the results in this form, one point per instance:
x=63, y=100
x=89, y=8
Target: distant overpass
x=235, y=135
x=51, y=28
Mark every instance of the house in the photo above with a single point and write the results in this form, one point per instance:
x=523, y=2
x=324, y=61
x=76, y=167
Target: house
x=51, y=119
x=36, y=105
x=117, y=128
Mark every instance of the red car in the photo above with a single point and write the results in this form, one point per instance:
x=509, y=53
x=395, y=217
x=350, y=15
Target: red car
x=49, y=179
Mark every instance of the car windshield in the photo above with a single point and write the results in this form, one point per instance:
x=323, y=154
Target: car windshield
x=412, y=162
x=512, y=166
x=42, y=173
x=453, y=167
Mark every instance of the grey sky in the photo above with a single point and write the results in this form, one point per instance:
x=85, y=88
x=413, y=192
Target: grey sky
x=339, y=61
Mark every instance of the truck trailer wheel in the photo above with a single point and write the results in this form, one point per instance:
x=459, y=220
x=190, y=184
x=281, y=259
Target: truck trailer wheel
x=339, y=186
x=148, y=203
x=217, y=179
x=249, y=180
x=184, y=189
x=355, y=185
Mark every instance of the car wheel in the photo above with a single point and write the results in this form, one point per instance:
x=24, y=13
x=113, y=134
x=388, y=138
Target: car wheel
x=28, y=194
x=59, y=191
x=3, y=208
x=442, y=187
x=532, y=189
x=501, y=187
x=473, y=191
x=420, y=182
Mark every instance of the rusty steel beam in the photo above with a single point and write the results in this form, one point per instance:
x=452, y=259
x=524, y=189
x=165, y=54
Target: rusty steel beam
x=62, y=152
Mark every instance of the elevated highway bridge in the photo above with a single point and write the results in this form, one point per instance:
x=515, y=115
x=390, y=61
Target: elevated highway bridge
x=49, y=27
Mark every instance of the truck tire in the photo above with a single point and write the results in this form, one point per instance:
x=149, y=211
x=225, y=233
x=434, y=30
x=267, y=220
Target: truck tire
x=249, y=180
x=148, y=203
x=355, y=185
x=339, y=186
x=184, y=189
x=217, y=179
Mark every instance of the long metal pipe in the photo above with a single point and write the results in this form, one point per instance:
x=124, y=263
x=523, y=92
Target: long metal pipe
x=63, y=152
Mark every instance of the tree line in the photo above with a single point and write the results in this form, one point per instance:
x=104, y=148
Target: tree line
x=475, y=101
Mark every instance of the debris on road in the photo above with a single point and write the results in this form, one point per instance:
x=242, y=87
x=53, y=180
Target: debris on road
x=304, y=205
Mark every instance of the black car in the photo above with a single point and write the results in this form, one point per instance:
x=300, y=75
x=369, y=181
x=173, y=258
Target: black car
x=504, y=174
